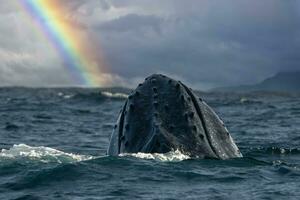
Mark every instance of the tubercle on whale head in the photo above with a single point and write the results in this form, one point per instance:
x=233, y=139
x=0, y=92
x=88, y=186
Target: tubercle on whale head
x=163, y=112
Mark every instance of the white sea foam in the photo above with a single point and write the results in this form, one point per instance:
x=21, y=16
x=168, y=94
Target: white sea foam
x=244, y=100
x=68, y=96
x=115, y=95
x=65, y=96
x=172, y=156
x=42, y=154
x=47, y=155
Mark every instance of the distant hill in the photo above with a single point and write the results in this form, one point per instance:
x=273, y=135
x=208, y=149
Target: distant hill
x=281, y=82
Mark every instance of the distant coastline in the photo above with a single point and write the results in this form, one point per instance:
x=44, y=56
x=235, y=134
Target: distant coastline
x=280, y=82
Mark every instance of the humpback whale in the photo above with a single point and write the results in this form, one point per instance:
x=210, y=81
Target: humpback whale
x=162, y=115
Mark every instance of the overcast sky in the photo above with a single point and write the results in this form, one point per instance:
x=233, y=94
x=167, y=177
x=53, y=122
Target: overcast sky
x=207, y=43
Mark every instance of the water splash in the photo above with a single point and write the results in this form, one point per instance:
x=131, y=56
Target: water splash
x=172, y=156
x=41, y=154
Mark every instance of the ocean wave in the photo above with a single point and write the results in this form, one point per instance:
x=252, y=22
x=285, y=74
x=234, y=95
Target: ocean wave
x=94, y=96
x=114, y=95
x=247, y=101
x=65, y=96
x=172, y=156
x=274, y=151
x=41, y=154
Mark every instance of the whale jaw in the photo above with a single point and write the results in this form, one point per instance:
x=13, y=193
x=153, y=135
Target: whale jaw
x=162, y=115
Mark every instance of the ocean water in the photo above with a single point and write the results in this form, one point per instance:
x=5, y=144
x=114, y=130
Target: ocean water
x=53, y=146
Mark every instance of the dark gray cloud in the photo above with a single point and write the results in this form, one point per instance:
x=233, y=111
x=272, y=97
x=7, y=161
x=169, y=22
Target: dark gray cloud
x=208, y=43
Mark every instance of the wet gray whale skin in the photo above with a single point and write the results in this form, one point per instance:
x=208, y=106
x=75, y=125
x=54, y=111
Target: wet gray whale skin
x=162, y=115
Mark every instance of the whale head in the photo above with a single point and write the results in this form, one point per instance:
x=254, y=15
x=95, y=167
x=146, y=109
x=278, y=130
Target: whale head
x=162, y=115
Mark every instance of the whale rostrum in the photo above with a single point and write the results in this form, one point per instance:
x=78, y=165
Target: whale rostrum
x=162, y=115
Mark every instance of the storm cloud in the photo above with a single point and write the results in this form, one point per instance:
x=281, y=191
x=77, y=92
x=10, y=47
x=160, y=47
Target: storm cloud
x=207, y=43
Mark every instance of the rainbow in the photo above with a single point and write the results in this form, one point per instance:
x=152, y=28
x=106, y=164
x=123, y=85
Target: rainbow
x=79, y=56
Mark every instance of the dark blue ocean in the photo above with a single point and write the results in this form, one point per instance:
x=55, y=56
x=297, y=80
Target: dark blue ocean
x=53, y=144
